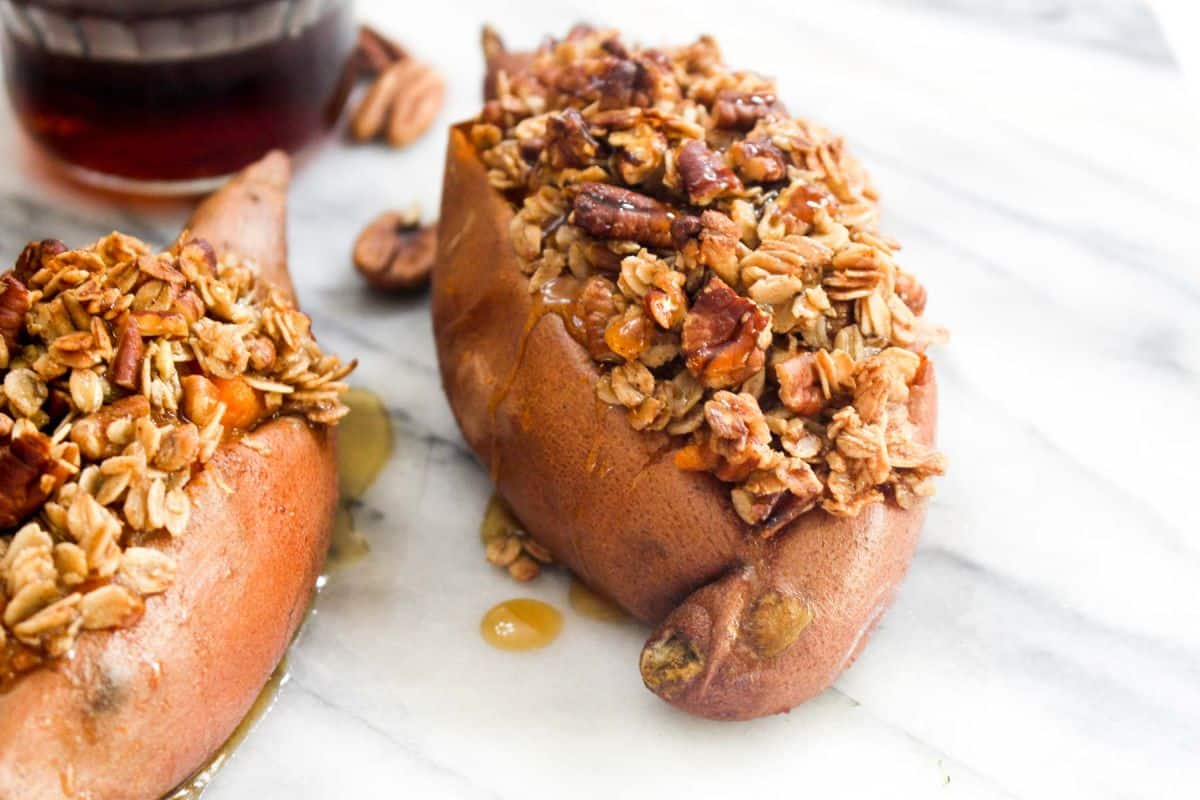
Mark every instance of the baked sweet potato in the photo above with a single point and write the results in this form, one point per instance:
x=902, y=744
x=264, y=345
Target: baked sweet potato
x=746, y=624
x=135, y=710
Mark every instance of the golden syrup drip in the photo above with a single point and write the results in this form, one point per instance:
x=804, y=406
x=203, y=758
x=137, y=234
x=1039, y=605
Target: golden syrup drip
x=593, y=605
x=364, y=443
x=194, y=787
x=347, y=545
x=557, y=297
x=521, y=624
x=498, y=520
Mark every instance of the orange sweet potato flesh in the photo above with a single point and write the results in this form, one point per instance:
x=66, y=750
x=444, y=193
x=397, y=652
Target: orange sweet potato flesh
x=611, y=504
x=137, y=710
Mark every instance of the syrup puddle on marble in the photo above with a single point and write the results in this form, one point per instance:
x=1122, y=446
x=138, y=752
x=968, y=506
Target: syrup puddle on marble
x=364, y=446
x=593, y=605
x=521, y=623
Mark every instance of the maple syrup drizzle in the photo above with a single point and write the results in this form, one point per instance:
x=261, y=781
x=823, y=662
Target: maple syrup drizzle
x=593, y=605
x=520, y=624
x=365, y=444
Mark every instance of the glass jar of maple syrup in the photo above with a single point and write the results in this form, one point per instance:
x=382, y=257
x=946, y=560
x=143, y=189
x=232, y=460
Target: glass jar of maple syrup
x=170, y=96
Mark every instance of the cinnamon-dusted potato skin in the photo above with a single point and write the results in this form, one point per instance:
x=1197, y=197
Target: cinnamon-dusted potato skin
x=138, y=710
x=608, y=501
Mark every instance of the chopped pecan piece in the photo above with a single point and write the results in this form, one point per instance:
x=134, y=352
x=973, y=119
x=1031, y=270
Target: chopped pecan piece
x=741, y=110
x=684, y=228
x=775, y=511
x=568, y=142
x=800, y=384
x=90, y=433
x=624, y=82
x=718, y=245
x=666, y=304
x=720, y=336
x=14, y=304
x=395, y=252
x=29, y=474
x=804, y=199
x=166, y=324
x=127, y=363
x=911, y=291
x=610, y=212
x=594, y=308
x=758, y=160
x=704, y=174
x=34, y=256
x=197, y=257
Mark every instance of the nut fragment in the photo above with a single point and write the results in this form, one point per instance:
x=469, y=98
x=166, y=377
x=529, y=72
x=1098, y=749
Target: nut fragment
x=395, y=252
x=758, y=160
x=34, y=257
x=704, y=174
x=720, y=336
x=741, y=110
x=14, y=302
x=568, y=141
x=800, y=385
x=127, y=364
x=29, y=474
x=507, y=545
x=375, y=52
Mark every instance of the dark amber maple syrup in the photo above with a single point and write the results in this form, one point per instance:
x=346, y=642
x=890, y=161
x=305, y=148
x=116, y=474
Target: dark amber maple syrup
x=200, y=112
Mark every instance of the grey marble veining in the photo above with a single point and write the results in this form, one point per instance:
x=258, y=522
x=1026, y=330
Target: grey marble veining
x=1046, y=642
x=1127, y=27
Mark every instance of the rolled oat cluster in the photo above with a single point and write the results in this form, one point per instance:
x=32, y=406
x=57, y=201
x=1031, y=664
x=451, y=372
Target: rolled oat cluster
x=122, y=372
x=724, y=270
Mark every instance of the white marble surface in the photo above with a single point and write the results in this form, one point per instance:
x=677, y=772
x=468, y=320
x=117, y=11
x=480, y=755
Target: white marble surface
x=1038, y=166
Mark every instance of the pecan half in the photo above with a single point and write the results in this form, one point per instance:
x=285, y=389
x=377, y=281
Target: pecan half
x=395, y=252
x=758, y=160
x=14, y=304
x=568, y=141
x=704, y=174
x=800, y=384
x=741, y=110
x=403, y=100
x=376, y=52
x=610, y=212
x=720, y=336
x=29, y=474
x=127, y=363
x=34, y=257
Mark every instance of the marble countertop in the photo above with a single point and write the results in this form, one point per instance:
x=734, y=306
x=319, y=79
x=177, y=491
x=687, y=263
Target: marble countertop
x=1036, y=160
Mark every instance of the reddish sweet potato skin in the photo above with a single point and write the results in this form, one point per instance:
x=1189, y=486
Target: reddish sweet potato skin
x=610, y=504
x=137, y=710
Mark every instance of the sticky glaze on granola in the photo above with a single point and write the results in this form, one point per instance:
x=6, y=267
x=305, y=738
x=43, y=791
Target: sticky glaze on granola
x=122, y=371
x=724, y=267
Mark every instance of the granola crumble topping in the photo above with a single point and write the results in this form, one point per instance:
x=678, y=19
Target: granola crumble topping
x=122, y=371
x=732, y=284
